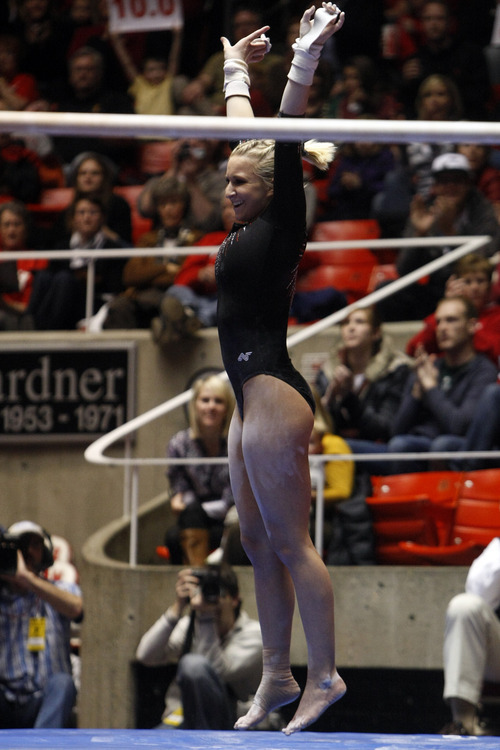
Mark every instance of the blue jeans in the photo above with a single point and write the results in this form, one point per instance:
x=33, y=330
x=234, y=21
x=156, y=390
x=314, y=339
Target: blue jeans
x=420, y=444
x=204, y=306
x=49, y=710
x=377, y=468
x=206, y=702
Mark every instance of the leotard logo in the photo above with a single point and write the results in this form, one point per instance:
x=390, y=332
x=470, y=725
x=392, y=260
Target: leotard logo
x=244, y=356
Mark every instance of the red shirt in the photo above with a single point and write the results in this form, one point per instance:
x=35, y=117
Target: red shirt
x=486, y=337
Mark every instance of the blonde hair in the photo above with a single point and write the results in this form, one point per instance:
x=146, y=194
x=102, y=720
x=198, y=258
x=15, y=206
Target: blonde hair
x=223, y=389
x=319, y=153
x=261, y=152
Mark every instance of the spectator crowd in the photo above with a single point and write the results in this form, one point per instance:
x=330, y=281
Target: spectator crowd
x=413, y=61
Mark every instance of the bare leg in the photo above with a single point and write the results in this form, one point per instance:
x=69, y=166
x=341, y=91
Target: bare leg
x=274, y=593
x=274, y=444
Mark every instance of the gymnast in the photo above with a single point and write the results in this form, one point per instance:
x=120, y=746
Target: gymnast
x=269, y=433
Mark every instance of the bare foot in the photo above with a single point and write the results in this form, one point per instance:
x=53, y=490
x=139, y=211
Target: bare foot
x=315, y=700
x=274, y=691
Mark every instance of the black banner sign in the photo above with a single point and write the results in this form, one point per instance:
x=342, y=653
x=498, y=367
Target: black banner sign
x=59, y=392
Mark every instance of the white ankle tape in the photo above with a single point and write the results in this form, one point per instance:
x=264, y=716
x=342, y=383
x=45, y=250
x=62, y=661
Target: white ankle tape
x=236, y=78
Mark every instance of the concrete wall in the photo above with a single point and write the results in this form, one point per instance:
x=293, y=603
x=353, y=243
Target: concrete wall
x=386, y=616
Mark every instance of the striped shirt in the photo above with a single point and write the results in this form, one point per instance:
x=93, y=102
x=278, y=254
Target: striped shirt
x=23, y=673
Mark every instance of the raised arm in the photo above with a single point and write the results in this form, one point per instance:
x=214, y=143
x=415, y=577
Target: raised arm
x=316, y=26
x=121, y=51
x=250, y=49
x=175, y=52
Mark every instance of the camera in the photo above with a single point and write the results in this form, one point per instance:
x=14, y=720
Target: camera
x=9, y=545
x=210, y=584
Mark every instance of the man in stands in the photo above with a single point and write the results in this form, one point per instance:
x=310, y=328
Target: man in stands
x=442, y=394
x=471, y=279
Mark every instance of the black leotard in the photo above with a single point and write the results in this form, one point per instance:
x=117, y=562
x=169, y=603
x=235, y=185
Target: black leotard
x=256, y=270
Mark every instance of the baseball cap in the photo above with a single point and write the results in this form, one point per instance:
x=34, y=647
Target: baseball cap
x=24, y=528
x=450, y=163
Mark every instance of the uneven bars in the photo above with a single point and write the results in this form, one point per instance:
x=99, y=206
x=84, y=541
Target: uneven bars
x=182, y=126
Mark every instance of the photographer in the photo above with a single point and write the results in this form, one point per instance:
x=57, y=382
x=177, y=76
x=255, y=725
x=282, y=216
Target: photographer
x=217, y=646
x=36, y=685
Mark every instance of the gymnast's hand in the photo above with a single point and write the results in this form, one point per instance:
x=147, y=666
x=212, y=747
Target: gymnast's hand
x=316, y=26
x=250, y=49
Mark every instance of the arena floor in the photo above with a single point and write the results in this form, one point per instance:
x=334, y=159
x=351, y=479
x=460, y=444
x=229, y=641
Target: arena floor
x=116, y=739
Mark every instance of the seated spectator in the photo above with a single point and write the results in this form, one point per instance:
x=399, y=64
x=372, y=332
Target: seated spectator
x=457, y=208
x=484, y=176
x=472, y=279
x=471, y=649
x=217, y=647
x=58, y=299
x=16, y=276
x=150, y=88
x=36, y=684
x=441, y=51
x=201, y=494
x=358, y=174
x=50, y=169
x=96, y=36
x=483, y=433
x=94, y=174
x=17, y=89
x=195, y=162
x=190, y=303
x=441, y=396
x=80, y=13
x=359, y=91
x=19, y=170
x=147, y=277
x=338, y=476
x=89, y=92
x=438, y=99
x=362, y=386
x=401, y=33
x=44, y=40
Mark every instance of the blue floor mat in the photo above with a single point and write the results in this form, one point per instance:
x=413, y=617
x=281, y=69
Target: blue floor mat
x=128, y=739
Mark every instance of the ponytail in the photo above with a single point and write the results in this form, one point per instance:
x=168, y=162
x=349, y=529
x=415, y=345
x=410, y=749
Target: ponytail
x=318, y=153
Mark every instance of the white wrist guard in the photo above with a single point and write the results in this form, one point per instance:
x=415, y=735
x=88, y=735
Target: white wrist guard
x=303, y=65
x=236, y=78
x=307, y=51
x=320, y=20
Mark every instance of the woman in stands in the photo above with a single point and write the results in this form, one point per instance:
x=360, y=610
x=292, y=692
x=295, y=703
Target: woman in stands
x=269, y=434
x=201, y=494
x=93, y=174
x=362, y=385
x=58, y=299
x=16, y=276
